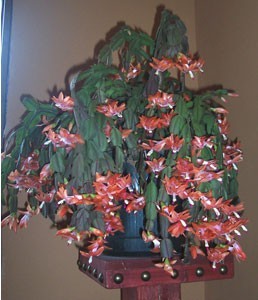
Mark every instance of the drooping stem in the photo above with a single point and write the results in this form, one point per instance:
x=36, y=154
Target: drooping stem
x=182, y=82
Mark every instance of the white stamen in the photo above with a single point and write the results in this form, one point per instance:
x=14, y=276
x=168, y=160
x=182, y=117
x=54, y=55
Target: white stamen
x=236, y=214
x=156, y=243
x=214, y=265
x=174, y=197
x=150, y=152
x=227, y=237
x=244, y=228
x=190, y=201
x=216, y=211
x=237, y=232
x=191, y=74
x=183, y=223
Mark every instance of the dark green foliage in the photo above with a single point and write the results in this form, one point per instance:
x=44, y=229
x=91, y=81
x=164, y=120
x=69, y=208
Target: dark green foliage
x=103, y=147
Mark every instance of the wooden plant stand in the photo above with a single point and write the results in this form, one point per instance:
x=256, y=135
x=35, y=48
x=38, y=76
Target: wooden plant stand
x=139, y=279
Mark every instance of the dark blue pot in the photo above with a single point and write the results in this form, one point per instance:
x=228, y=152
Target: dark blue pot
x=129, y=242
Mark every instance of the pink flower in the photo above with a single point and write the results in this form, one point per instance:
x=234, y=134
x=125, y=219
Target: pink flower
x=156, y=165
x=111, y=109
x=218, y=254
x=175, y=187
x=65, y=104
x=133, y=71
x=162, y=65
x=12, y=221
x=161, y=99
x=63, y=139
x=148, y=123
x=188, y=64
x=135, y=204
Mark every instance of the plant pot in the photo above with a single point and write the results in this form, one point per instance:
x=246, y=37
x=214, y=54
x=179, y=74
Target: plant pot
x=130, y=243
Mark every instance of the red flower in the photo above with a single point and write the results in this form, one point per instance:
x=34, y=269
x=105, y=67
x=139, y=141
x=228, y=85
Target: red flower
x=175, y=187
x=107, y=130
x=177, y=229
x=111, y=186
x=148, y=123
x=161, y=99
x=216, y=255
x=12, y=222
x=135, y=204
x=219, y=110
x=45, y=197
x=210, y=165
x=113, y=223
x=195, y=250
x=125, y=133
x=173, y=216
x=187, y=169
x=205, y=176
x=23, y=181
x=167, y=266
x=204, y=231
x=237, y=251
x=30, y=163
x=199, y=142
x=65, y=104
x=64, y=139
x=96, y=248
x=150, y=146
x=162, y=65
x=45, y=172
x=111, y=109
x=212, y=203
x=166, y=119
x=233, y=224
x=156, y=165
x=189, y=64
x=232, y=155
x=171, y=142
x=27, y=214
x=229, y=209
x=76, y=198
x=194, y=196
x=223, y=126
x=71, y=234
x=63, y=209
x=133, y=71
x=177, y=219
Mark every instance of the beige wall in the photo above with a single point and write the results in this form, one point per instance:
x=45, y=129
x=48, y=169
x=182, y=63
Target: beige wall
x=227, y=39
x=48, y=38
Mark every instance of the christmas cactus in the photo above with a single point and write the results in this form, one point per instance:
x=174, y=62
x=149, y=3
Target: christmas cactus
x=130, y=136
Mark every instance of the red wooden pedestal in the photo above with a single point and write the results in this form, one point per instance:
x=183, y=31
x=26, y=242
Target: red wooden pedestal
x=139, y=279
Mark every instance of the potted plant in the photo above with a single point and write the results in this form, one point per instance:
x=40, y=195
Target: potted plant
x=131, y=140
